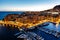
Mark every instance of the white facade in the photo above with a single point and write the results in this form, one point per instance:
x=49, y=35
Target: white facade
x=54, y=12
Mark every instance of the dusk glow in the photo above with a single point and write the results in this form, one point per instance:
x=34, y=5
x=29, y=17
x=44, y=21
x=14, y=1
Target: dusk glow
x=27, y=5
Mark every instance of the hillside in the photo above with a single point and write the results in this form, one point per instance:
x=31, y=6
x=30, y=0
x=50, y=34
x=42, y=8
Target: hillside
x=33, y=18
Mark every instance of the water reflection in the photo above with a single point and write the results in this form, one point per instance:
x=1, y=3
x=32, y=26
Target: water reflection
x=51, y=26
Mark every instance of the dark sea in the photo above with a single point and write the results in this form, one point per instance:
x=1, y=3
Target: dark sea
x=8, y=33
x=4, y=13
